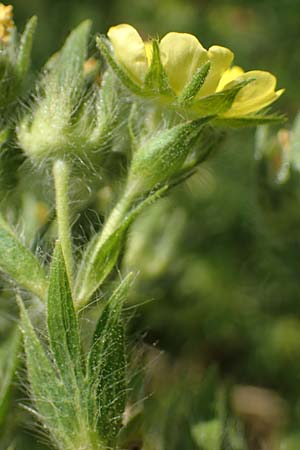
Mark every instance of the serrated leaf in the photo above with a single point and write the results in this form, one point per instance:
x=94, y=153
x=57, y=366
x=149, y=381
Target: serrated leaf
x=156, y=78
x=97, y=265
x=20, y=264
x=102, y=45
x=192, y=88
x=62, y=322
x=107, y=367
x=24, y=53
x=9, y=353
x=48, y=392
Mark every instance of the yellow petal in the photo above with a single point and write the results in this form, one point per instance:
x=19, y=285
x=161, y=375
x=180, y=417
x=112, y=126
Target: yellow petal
x=149, y=51
x=228, y=76
x=181, y=55
x=129, y=50
x=256, y=95
x=220, y=59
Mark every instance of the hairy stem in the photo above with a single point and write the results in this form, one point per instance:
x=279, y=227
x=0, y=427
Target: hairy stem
x=61, y=180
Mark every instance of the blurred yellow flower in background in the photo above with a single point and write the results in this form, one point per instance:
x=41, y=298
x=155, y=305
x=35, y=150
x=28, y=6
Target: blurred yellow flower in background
x=182, y=56
x=6, y=22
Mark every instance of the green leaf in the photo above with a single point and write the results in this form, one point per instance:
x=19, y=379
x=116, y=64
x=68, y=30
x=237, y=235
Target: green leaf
x=9, y=354
x=107, y=366
x=23, y=58
x=156, y=78
x=102, y=45
x=192, y=88
x=56, y=410
x=62, y=322
x=20, y=264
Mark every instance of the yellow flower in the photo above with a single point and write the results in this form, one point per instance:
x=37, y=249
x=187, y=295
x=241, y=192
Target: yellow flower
x=6, y=22
x=182, y=56
x=254, y=96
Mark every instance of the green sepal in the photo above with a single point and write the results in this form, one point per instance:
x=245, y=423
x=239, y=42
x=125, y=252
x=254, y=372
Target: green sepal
x=95, y=268
x=68, y=67
x=250, y=120
x=9, y=356
x=163, y=155
x=25, y=47
x=192, y=88
x=219, y=102
x=62, y=322
x=107, y=366
x=156, y=78
x=103, y=46
x=20, y=264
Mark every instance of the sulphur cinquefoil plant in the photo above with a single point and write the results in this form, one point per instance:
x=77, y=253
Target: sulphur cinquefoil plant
x=111, y=133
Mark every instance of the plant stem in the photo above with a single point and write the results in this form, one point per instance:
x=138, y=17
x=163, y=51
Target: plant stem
x=114, y=220
x=86, y=283
x=61, y=181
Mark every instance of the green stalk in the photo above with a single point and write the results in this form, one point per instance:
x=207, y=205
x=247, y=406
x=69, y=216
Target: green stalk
x=90, y=275
x=61, y=181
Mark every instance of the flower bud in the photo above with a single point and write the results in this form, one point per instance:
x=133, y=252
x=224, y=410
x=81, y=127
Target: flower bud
x=162, y=156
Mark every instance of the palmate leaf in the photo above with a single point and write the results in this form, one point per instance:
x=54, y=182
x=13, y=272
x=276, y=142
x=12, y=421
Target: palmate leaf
x=20, y=264
x=62, y=322
x=107, y=367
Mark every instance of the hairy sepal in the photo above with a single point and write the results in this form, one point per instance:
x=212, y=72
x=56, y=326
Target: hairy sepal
x=25, y=47
x=103, y=46
x=156, y=79
x=219, y=102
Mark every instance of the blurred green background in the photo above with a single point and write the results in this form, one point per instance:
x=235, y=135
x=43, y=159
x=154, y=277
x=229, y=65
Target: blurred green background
x=218, y=262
